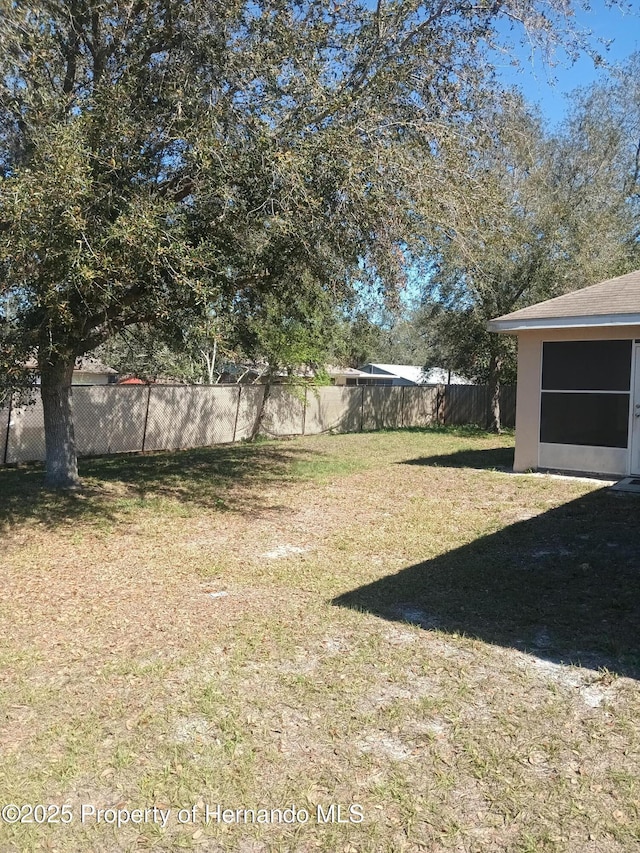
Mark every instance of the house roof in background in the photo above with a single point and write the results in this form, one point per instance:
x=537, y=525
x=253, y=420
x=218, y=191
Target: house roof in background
x=334, y=370
x=614, y=302
x=411, y=372
x=85, y=364
x=90, y=364
x=415, y=373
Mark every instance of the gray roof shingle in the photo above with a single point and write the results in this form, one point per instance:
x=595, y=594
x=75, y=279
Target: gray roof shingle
x=616, y=301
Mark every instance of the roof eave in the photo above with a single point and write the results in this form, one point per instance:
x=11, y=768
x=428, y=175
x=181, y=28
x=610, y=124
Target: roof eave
x=513, y=326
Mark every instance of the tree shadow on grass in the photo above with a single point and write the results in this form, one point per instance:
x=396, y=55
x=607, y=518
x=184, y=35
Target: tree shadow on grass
x=564, y=585
x=204, y=477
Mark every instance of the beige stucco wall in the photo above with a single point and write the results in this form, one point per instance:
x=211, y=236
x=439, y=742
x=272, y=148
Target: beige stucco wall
x=529, y=380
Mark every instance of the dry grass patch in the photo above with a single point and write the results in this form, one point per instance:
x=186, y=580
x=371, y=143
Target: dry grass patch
x=386, y=619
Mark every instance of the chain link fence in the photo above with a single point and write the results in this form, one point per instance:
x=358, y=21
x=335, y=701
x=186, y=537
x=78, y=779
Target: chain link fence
x=128, y=418
x=24, y=432
x=471, y=404
x=190, y=416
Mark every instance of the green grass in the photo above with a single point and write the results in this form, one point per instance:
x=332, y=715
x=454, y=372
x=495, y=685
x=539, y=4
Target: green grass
x=405, y=626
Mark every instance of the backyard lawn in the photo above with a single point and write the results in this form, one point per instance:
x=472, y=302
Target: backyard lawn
x=387, y=622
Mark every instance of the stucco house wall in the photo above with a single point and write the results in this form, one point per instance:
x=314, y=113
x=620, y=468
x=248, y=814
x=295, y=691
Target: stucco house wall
x=609, y=311
x=81, y=378
x=527, y=454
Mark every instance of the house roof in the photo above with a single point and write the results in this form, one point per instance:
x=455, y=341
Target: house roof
x=615, y=302
x=334, y=370
x=416, y=374
x=90, y=364
x=410, y=372
x=86, y=364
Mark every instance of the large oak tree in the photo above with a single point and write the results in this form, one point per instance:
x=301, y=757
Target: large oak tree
x=158, y=156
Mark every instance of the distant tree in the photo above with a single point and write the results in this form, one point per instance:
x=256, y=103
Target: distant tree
x=404, y=338
x=496, y=254
x=358, y=340
x=139, y=351
x=555, y=213
x=597, y=178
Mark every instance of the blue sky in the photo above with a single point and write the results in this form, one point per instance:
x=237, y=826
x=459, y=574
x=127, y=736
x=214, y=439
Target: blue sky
x=550, y=86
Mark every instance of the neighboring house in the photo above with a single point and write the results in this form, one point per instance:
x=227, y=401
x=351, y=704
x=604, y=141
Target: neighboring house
x=87, y=370
x=91, y=371
x=342, y=376
x=133, y=380
x=578, y=393
x=243, y=374
x=369, y=374
x=256, y=373
x=409, y=374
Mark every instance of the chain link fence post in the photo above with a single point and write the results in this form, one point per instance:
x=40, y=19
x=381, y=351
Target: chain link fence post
x=304, y=410
x=146, y=418
x=6, y=438
x=235, y=423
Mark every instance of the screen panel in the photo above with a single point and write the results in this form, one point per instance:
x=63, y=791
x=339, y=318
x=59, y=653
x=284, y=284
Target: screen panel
x=586, y=365
x=599, y=420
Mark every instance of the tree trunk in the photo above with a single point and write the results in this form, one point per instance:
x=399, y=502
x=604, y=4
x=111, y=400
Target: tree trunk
x=60, y=442
x=257, y=424
x=495, y=366
x=210, y=361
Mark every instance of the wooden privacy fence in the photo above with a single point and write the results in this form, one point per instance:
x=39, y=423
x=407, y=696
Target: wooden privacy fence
x=127, y=418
